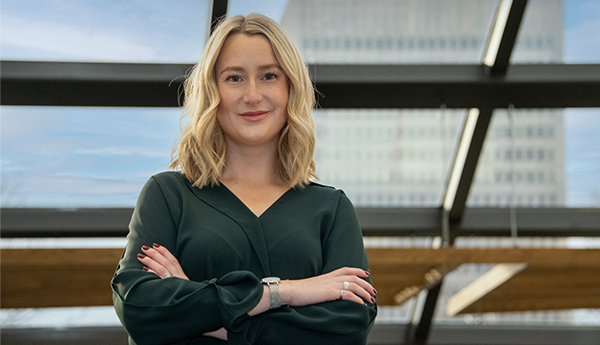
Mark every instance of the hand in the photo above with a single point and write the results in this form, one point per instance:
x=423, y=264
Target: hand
x=221, y=333
x=158, y=260
x=329, y=287
x=161, y=262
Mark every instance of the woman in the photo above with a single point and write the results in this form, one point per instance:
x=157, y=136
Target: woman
x=240, y=246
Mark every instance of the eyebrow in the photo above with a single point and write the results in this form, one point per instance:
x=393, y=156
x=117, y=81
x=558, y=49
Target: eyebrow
x=260, y=68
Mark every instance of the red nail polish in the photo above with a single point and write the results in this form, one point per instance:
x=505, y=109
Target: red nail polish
x=141, y=256
x=375, y=291
x=146, y=269
x=145, y=247
x=156, y=245
x=372, y=300
x=367, y=273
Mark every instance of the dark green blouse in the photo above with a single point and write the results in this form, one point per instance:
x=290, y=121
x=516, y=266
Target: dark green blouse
x=226, y=250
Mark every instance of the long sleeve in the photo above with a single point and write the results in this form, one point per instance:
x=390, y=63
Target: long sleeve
x=336, y=322
x=165, y=311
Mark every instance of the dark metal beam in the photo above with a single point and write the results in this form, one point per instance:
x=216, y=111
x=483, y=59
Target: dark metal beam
x=343, y=86
x=457, y=86
x=91, y=84
x=88, y=222
x=418, y=222
x=219, y=11
x=465, y=162
x=504, y=35
x=531, y=222
x=418, y=335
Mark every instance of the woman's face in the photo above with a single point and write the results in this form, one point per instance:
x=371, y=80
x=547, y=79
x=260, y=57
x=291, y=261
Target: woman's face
x=253, y=90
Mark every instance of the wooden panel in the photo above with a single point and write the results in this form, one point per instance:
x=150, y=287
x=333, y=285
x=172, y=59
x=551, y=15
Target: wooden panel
x=543, y=289
x=554, y=279
x=38, y=278
x=399, y=257
x=389, y=285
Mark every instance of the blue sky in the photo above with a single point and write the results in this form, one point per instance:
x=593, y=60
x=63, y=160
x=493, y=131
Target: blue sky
x=100, y=157
x=581, y=31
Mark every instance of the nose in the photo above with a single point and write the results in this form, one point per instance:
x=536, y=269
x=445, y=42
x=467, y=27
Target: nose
x=252, y=94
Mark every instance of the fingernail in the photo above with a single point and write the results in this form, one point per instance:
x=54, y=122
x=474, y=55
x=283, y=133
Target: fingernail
x=141, y=256
x=367, y=273
x=375, y=291
x=146, y=269
x=372, y=300
x=145, y=247
x=156, y=245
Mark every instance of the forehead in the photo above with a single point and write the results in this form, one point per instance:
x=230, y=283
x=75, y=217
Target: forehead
x=246, y=51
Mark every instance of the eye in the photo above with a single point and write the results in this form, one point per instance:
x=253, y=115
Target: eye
x=233, y=78
x=270, y=76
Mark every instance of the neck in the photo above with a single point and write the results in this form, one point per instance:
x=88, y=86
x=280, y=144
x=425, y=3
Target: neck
x=251, y=165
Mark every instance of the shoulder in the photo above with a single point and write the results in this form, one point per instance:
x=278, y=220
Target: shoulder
x=326, y=192
x=168, y=183
x=322, y=189
x=323, y=185
x=170, y=178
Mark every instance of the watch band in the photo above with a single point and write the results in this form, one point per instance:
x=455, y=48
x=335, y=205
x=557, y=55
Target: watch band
x=275, y=297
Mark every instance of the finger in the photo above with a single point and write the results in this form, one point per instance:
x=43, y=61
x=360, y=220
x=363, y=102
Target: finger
x=150, y=270
x=360, y=291
x=363, y=284
x=158, y=257
x=166, y=253
x=153, y=266
x=350, y=296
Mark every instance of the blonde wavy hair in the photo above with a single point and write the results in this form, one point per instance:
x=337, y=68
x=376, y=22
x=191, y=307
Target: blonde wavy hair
x=200, y=149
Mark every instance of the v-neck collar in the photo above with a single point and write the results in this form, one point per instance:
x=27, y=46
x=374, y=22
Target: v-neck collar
x=243, y=205
x=224, y=201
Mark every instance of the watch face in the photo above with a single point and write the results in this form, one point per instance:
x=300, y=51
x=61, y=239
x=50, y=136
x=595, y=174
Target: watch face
x=270, y=280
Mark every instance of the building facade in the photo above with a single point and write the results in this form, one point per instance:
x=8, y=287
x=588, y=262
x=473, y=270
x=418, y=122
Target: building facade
x=401, y=157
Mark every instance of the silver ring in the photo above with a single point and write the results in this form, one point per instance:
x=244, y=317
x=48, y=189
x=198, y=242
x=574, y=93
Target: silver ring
x=346, y=285
x=168, y=275
x=341, y=293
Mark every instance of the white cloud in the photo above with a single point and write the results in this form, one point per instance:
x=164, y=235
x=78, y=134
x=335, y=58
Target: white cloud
x=123, y=151
x=65, y=41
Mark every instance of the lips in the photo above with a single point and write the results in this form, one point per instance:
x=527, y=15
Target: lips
x=253, y=116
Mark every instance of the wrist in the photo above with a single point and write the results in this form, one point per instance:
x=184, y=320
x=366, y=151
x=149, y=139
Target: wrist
x=286, y=290
x=275, y=298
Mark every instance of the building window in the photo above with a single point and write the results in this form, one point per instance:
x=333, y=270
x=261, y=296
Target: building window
x=529, y=132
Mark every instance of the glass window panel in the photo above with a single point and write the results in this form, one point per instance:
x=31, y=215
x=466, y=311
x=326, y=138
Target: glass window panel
x=100, y=157
x=555, y=31
x=113, y=31
x=539, y=158
x=274, y=9
x=82, y=157
x=390, y=32
x=384, y=158
x=541, y=33
x=582, y=157
x=581, y=25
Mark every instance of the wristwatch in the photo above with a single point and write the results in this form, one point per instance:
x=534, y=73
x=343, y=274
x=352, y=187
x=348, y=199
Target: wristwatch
x=273, y=284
